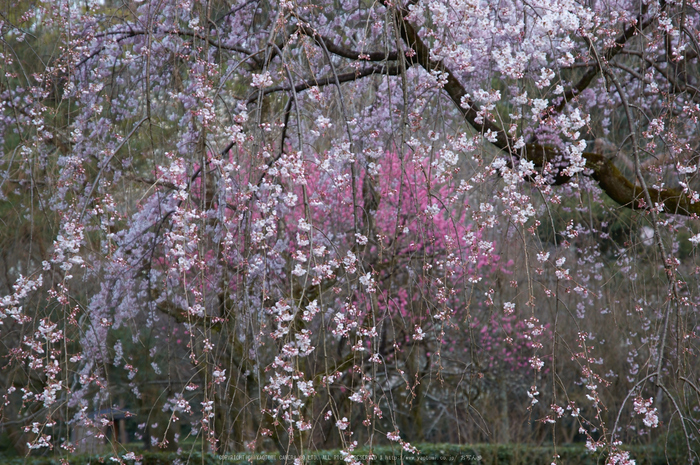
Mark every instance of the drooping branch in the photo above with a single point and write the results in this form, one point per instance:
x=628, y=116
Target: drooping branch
x=617, y=46
x=610, y=179
x=344, y=52
x=677, y=85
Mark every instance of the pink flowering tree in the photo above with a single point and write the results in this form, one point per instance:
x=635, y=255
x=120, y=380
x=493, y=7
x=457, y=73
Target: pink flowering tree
x=301, y=225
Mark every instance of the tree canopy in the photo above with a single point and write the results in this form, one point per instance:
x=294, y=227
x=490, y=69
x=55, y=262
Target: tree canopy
x=246, y=225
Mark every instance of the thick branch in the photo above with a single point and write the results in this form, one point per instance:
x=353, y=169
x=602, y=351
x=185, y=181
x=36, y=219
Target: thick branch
x=345, y=77
x=128, y=34
x=616, y=184
x=181, y=315
x=455, y=90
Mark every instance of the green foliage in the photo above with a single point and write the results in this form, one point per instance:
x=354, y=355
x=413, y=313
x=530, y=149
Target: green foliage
x=6, y=447
x=430, y=454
